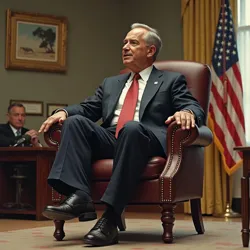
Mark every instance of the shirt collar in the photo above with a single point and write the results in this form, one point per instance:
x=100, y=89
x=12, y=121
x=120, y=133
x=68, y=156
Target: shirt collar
x=13, y=129
x=144, y=74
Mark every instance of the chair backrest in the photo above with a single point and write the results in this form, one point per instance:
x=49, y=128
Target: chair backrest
x=198, y=77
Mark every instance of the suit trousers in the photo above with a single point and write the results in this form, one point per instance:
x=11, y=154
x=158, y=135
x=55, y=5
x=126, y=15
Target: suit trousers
x=83, y=141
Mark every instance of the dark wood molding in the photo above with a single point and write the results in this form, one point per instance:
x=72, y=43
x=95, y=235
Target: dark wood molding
x=36, y=191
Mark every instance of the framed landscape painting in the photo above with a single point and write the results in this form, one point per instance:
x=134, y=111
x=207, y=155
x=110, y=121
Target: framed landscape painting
x=35, y=42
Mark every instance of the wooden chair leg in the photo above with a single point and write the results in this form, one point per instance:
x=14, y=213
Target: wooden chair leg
x=59, y=233
x=197, y=216
x=168, y=219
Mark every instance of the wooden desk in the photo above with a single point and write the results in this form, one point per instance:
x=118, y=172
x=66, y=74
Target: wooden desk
x=245, y=194
x=42, y=158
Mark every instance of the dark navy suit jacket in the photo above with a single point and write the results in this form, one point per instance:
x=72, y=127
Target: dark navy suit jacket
x=165, y=93
x=7, y=137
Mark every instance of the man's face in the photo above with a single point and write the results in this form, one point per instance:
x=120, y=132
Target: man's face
x=16, y=117
x=135, y=53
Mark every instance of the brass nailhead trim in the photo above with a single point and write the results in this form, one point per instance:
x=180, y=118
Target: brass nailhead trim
x=53, y=196
x=179, y=159
x=56, y=142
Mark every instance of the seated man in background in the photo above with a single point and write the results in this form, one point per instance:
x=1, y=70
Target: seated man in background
x=13, y=130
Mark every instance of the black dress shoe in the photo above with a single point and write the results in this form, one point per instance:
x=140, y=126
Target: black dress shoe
x=102, y=234
x=74, y=206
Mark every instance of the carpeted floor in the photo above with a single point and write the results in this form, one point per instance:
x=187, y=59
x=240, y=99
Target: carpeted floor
x=141, y=234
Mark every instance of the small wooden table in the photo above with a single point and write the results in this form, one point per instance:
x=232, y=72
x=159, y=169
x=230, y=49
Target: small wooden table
x=40, y=194
x=245, y=194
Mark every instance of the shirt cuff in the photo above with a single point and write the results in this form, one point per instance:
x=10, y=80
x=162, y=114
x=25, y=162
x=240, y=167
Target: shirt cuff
x=57, y=110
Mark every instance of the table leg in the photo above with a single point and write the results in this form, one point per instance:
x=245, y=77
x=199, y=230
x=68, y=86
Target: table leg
x=245, y=210
x=43, y=165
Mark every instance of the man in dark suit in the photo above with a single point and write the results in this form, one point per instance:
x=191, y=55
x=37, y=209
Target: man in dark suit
x=154, y=97
x=13, y=130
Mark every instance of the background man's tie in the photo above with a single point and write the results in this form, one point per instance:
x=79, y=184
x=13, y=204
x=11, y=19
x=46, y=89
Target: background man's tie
x=129, y=105
x=18, y=132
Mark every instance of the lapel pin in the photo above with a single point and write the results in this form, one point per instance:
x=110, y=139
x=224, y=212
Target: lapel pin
x=155, y=82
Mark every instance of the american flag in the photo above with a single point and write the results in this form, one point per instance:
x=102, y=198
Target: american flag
x=226, y=102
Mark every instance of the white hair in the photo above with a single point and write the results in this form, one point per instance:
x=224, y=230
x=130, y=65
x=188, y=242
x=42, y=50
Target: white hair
x=152, y=37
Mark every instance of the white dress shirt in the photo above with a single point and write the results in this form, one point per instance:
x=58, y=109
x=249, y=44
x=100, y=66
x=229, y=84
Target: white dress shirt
x=15, y=133
x=14, y=130
x=142, y=85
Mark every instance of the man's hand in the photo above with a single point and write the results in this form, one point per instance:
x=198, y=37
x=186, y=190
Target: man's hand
x=57, y=117
x=34, y=137
x=185, y=118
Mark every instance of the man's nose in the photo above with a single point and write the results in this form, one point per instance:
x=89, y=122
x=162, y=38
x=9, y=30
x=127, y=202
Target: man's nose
x=125, y=46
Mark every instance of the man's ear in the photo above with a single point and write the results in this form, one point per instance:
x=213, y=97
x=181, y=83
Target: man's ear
x=8, y=116
x=151, y=50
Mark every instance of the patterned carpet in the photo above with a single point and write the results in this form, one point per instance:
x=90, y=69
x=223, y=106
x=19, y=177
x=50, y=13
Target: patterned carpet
x=141, y=234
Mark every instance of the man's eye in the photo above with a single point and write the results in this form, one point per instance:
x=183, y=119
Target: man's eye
x=16, y=115
x=133, y=43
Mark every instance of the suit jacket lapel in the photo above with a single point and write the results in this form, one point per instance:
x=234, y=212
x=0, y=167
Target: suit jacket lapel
x=117, y=88
x=10, y=130
x=153, y=84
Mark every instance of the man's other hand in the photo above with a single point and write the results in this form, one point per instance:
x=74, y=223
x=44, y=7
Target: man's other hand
x=57, y=117
x=34, y=137
x=184, y=118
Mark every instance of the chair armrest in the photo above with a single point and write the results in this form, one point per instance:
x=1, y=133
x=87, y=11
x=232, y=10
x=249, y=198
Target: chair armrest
x=197, y=136
x=177, y=139
x=53, y=136
x=204, y=138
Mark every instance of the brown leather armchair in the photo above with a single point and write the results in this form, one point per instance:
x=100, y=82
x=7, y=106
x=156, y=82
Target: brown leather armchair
x=165, y=182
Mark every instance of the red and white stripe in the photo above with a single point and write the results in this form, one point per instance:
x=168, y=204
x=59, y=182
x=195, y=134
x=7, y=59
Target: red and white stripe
x=228, y=119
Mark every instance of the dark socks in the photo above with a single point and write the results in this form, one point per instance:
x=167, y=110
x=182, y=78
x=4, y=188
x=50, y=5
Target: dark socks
x=110, y=214
x=83, y=194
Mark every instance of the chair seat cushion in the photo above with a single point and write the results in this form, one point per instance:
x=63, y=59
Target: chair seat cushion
x=102, y=169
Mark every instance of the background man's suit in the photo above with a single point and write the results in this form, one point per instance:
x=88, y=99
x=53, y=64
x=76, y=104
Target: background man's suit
x=83, y=141
x=7, y=137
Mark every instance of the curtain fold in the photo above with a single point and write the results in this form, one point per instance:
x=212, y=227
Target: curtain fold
x=199, y=20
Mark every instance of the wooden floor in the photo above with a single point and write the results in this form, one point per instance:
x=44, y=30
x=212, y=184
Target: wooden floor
x=15, y=224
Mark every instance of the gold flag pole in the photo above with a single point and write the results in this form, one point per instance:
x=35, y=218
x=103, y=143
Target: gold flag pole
x=229, y=213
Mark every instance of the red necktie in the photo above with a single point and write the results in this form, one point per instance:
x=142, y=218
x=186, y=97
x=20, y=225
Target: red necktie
x=129, y=105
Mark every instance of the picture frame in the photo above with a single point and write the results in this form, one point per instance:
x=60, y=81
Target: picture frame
x=32, y=108
x=53, y=106
x=35, y=42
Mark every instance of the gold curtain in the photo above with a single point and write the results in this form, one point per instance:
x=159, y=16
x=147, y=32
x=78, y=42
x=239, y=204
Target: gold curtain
x=199, y=20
